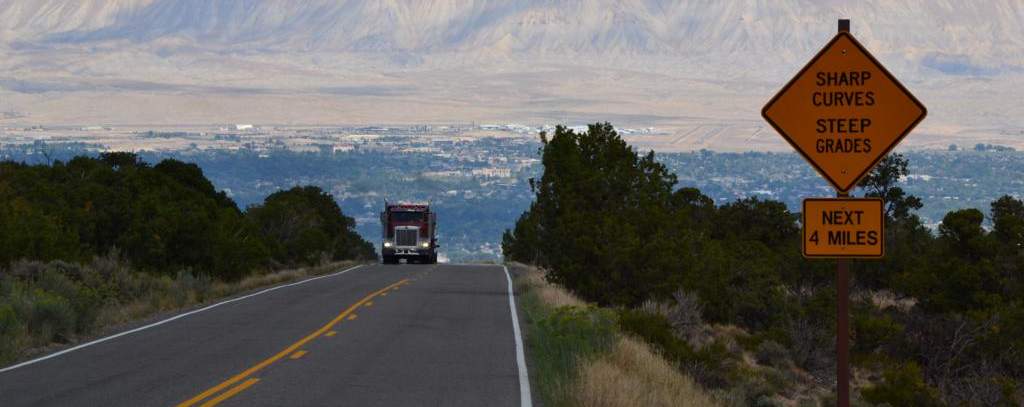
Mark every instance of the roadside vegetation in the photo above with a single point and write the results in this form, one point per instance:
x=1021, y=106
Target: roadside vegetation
x=96, y=242
x=579, y=355
x=721, y=291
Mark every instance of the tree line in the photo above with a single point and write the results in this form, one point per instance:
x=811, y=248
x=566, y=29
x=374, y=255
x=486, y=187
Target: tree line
x=164, y=218
x=940, y=319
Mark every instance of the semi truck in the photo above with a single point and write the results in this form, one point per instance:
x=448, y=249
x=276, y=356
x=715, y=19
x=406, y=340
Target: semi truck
x=409, y=232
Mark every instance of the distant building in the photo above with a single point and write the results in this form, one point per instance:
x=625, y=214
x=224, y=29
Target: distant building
x=243, y=127
x=493, y=172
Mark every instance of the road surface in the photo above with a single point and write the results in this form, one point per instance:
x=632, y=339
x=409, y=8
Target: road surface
x=376, y=335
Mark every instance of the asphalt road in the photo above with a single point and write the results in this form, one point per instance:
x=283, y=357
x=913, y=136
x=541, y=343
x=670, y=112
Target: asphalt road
x=379, y=335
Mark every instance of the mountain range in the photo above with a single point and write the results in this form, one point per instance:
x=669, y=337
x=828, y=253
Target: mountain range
x=636, y=61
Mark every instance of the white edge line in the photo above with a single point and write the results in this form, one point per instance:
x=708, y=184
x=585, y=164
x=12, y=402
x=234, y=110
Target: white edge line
x=525, y=399
x=179, y=316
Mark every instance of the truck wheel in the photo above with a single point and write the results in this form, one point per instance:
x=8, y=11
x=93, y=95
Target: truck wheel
x=433, y=258
x=389, y=260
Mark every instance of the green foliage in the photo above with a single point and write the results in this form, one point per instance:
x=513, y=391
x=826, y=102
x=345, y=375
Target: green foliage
x=882, y=182
x=871, y=332
x=304, y=225
x=12, y=332
x=600, y=219
x=588, y=330
x=607, y=225
x=755, y=220
x=1008, y=221
x=656, y=330
x=772, y=353
x=58, y=302
x=52, y=315
x=168, y=220
x=738, y=282
x=165, y=219
x=902, y=386
x=558, y=339
x=709, y=365
x=962, y=231
x=523, y=243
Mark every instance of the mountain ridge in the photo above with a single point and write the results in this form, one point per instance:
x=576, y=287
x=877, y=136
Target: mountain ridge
x=952, y=37
x=677, y=66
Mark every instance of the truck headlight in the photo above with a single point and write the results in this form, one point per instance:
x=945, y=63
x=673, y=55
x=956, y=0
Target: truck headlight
x=387, y=244
x=425, y=245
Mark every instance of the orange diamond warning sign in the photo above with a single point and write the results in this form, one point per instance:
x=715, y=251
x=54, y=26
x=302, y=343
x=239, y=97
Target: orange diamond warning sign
x=843, y=112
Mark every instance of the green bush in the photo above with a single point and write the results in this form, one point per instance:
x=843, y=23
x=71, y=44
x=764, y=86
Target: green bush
x=12, y=332
x=558, y=339
x=871, y=332
x=302, y=223
x=85, y=301
x=709, y=365
x=585, y=331
x=53, y=318
x=166, y=218
x=601, y=209
x=902, y=386
x=656, y=330
x=772, y=353
x=611, y=226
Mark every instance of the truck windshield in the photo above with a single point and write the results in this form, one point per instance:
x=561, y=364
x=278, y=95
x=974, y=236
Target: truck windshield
x=406, y=216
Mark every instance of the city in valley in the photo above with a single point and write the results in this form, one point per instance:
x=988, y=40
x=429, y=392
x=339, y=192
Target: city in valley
x=477, y=174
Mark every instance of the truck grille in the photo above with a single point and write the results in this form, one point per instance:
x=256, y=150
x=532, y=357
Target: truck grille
x=406, y=237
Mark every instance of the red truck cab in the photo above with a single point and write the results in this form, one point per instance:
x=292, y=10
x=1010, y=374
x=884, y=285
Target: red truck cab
x=409, y=233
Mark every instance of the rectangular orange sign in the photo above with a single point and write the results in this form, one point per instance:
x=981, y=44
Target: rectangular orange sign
x=843, y=227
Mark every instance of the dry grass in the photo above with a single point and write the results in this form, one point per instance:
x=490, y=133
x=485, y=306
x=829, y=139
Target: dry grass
x=143, y=296
x=217, y=291
x=630, y=374
x=884, y=299
x=550, y=294
x=634, y=375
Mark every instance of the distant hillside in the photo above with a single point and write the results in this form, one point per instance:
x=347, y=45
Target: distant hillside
x=702, y=68
x=949, y=36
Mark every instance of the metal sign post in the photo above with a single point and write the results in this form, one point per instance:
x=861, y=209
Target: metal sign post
x=843, y=112
x=843, y=318
x=843, y=308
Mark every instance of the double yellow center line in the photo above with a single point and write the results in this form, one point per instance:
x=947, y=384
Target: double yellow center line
x=280, y=355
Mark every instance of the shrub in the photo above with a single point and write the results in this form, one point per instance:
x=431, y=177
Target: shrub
x=707, y=365
x=12, y=333
x=902, y=386
x=585, y=330
x=559, y=339
x=811, y=344
x=685, y=314
x=84, y=301
x=26, y=270
x=199, y=285
x=772, y=353
x=871, y=332
x=301, y=224
x=53, y=318
x=656, y=330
